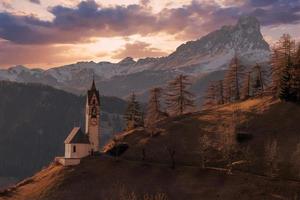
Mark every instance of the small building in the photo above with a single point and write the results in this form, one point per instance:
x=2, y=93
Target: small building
x=80, y=144
x=77, y=144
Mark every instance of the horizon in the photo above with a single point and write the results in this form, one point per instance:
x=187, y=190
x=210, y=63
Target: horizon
x=46, y=34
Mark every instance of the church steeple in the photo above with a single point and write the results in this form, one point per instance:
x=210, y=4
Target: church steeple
x=92, y=116
x=93, y=85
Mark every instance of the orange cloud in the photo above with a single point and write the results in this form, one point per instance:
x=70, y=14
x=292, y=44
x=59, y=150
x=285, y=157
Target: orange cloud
x=138, y=50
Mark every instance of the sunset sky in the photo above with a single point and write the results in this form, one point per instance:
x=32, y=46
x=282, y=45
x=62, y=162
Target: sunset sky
x=49, y=33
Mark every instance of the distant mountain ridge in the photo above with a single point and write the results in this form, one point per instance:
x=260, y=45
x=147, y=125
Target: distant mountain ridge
x=209, y=54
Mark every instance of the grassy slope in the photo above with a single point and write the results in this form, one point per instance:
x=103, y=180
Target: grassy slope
x=104, y=178
x=265, y=119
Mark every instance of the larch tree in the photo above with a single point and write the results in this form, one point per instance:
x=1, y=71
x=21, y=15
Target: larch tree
x=281, y=63
x=285, y=84
x=258, y=84
x=154, y=111
x=210, y=98
x=179, y=99
x=232, y=80
x=221, y=99
x=271, y=157
x=133, y=115
x=214, y=94
x=295, y=75
x=246, y=86
x=203, y=149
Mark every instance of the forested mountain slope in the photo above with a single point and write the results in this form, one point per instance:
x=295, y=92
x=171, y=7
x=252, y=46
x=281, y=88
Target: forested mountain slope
x=35, y=119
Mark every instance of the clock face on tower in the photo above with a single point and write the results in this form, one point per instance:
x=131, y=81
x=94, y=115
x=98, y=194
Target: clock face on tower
x=94, y=121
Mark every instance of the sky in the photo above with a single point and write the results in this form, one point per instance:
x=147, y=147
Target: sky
x=51, y=33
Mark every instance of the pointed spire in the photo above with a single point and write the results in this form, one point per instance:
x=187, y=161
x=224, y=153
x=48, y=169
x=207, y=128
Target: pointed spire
x=93, y=84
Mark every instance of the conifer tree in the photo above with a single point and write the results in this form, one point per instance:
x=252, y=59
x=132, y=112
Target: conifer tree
x=232, y=80
x=133, y=115
x=282, y=65
x=284, y=85
x=295, y=75
x=258, y=85
x=154, y=112
x=297, y=55
x=214, y=94
x=221, y=92
x=178, y=99
x=210, y=98
x=246, y=86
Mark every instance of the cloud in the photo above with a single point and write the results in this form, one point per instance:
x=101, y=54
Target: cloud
x=89, y=19
x=35, y=1
x=138, y=50
x=6, y=4
x=38, y=55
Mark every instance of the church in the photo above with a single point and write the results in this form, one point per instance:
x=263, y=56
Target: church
x=79, y=143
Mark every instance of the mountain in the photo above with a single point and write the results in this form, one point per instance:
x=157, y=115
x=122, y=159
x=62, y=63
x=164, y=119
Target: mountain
x=35, y=119
x=131, y=177
x=214, y=51
x=198, y=58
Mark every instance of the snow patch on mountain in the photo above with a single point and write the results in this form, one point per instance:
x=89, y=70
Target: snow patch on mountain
x=210, y=53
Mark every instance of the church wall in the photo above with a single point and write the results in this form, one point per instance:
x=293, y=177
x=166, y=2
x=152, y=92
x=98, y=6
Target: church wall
x=94, y=137
x=67, y=161
x=82, y=150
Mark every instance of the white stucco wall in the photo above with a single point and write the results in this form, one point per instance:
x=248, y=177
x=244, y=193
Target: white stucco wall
x=94, y=137
x=67, y=161
x=82, y=150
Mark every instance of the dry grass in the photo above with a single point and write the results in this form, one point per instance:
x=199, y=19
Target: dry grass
x=104, y=178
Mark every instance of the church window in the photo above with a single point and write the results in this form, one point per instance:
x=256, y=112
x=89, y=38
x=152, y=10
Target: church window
x=74, y=149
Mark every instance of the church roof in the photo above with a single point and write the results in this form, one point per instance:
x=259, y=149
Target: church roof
x=92, y=91
x=76, y=136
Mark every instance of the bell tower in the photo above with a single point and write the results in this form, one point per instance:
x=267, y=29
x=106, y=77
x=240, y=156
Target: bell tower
x=92, y=117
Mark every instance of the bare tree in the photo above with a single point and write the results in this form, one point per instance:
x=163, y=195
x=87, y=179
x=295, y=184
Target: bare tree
x=221, y=92
x=154, y=112
x=178, y=99
x=271, y=157
x=214, y=94
x=210, y=98
x=203, y=147
x=246, y=87
x=232, y=80
x=229, y=142
x=259, y=80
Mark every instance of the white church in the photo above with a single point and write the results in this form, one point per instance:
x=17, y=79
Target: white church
x=80, y=144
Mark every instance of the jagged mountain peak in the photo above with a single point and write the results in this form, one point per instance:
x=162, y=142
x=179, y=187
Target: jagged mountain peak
x=127, y=61
x=211, y=53
x=218, y=47
x=247, y=21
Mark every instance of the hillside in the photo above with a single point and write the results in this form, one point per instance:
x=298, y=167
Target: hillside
x=261, y=123
x=107, y=179
x=35, y=120
x=130, y=176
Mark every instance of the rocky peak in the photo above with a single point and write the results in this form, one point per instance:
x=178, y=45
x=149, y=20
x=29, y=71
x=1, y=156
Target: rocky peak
x=18, y=69
x=243, y=36
x=127, y=61
x=249, y=24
